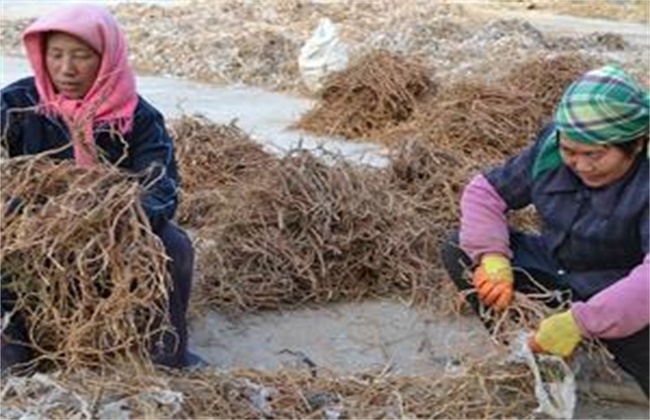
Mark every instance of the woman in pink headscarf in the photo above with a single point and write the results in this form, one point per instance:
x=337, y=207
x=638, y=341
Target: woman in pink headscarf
x=83, y=94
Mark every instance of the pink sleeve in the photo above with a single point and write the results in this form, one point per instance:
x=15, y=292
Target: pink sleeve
x=483, y=224
x=619, y=310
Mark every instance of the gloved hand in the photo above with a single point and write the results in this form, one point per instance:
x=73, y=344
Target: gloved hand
x=558, y=334
x=494, y=281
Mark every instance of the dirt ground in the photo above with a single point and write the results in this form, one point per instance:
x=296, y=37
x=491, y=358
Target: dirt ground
x=367, y=335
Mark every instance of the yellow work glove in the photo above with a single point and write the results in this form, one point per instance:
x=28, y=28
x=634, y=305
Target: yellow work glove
x=494, y=281
x=558, y=334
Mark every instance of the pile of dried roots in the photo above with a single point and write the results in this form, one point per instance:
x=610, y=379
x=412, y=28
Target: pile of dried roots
x=546, y=78
x=471, y=125
x=486, y=122
x=478, y=390
x=381, y=90
x=84, y=271
x=308, y=231
x=277, y=232
x=433, y=178
x=481, y=120
x=212, y=157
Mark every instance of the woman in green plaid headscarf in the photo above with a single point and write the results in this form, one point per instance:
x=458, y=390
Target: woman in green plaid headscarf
x=587, y=177
x=605, y=106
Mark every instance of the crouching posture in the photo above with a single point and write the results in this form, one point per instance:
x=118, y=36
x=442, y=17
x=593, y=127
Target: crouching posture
x=83, y=94
x=587, y=176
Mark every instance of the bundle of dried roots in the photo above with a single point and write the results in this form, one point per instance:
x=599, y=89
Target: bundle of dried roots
x=81, y=269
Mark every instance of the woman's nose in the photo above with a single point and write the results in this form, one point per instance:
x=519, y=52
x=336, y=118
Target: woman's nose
x=67, y=66
x=582, y=164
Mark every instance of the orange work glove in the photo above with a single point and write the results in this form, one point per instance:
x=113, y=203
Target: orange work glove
x=494, y=281
x=558, y=334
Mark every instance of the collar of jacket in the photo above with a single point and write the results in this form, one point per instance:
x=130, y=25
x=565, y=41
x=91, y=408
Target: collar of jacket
x=603, y=200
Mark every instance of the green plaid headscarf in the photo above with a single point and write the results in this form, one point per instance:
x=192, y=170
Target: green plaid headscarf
x=604, y=106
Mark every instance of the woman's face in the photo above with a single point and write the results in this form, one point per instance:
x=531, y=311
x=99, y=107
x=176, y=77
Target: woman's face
x=596, y=165
x=72, y=64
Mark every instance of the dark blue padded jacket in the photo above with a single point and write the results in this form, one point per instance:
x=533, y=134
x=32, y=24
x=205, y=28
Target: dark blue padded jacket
x=594, y=236
x=147, y=150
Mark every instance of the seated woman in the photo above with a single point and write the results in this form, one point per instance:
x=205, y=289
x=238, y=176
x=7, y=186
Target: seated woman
x=587, y=177
x=83, y=94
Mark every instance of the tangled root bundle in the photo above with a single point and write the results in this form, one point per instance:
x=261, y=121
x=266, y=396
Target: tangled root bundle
x=308, y=231
x=380, y=91
x=210, y=157
x=84, y=271
x=479, y=390
x=528, y=309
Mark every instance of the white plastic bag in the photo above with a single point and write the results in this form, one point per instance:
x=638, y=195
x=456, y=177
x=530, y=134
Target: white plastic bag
x=322, y=54
x=556, y=393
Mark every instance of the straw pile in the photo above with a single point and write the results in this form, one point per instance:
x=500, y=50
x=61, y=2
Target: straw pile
x=256, y=45
x=311, y=232
x=476, y=391
x=212, y=157
x=378, y=92
x=65, y=236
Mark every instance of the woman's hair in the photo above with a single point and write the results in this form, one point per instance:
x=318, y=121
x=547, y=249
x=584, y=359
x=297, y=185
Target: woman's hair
x=629, y=148
x=49, y=34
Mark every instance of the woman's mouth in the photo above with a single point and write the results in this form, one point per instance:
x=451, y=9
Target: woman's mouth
x=71, y=89
x=68, y=85
x=590, y=179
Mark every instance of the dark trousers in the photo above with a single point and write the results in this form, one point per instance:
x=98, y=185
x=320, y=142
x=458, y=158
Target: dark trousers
x=632, y=353
x=170, y=348
x=179, y=249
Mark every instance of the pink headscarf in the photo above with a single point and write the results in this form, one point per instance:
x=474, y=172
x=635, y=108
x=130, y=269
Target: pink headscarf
x=112, y=98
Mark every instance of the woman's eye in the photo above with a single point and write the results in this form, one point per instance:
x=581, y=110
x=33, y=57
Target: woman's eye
x=594, y=155
x=81, y=56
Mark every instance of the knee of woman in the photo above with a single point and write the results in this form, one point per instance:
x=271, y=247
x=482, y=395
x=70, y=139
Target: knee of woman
x=450, y=245
x=178, y=244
